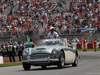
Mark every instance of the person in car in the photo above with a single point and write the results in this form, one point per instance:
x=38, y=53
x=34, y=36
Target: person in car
x=52, y=34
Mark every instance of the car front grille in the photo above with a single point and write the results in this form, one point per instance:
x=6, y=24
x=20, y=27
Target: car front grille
x=39, y=56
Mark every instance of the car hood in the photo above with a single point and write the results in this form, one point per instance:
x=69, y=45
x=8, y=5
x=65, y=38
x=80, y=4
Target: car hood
x=43, y=49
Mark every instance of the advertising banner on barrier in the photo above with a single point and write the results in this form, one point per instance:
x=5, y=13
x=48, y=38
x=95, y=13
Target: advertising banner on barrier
x=84, y=30
x=79, y=46
x=90, y=46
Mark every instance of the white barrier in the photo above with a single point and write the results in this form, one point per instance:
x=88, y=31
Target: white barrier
x=86, y=45
x=98, y=44
x=1, y=59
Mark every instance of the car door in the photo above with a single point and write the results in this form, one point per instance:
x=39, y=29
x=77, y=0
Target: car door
x=69, y=56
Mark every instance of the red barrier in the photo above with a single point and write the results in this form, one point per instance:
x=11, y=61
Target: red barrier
x=89, y=46
x=79, y=46
x=6, y=47
x=99, y=45
x=7, y=60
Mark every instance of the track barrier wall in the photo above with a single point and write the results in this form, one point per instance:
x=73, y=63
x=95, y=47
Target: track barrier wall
x=88, y=45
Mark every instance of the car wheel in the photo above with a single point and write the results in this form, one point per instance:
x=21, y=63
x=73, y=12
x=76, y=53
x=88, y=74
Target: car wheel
x=26, y=66
x=43, y=67
x=61, y=61
x=75, y=62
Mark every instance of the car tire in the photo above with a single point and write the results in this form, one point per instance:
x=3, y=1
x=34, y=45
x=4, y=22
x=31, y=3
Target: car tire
x=75, y=62
x=61, y=62
x=26, y=66
x=43, y=67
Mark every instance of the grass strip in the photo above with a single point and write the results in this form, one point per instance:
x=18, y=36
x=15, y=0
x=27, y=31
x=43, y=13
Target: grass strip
x=88, y=49
x=10, y=64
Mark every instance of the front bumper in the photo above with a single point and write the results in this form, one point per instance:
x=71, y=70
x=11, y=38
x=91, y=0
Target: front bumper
x=39, y=62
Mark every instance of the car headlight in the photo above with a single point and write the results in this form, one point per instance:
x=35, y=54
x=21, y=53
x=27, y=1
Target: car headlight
x=54, y=51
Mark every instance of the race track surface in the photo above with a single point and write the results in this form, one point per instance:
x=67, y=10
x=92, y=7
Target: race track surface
x=89, y=64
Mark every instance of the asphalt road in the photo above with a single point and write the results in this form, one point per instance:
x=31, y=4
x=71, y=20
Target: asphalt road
x=89, y=64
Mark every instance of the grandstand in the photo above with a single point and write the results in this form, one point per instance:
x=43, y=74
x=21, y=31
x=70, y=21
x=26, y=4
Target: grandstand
x=19, y=18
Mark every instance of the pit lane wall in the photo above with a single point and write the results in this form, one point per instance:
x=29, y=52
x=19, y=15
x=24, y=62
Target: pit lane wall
x=88, y=45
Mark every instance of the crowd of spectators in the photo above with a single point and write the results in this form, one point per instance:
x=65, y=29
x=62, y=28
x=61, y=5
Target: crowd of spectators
x=28, y=17
x=81, y=14
x=32, y=14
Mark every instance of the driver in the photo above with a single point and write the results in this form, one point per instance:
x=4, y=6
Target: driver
x=70, y=43
x=52, y=34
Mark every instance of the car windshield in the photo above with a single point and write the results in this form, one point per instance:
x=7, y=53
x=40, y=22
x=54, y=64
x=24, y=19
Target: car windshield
x=51, y=42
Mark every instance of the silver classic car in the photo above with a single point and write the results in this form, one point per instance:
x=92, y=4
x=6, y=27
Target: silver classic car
x=50, y=52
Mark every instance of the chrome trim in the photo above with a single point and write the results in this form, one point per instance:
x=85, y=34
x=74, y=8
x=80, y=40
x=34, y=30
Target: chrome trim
x=41, y=60
x=25, y=61
x=39, y=56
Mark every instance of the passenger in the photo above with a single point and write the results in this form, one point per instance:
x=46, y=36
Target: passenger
x=52, y=34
